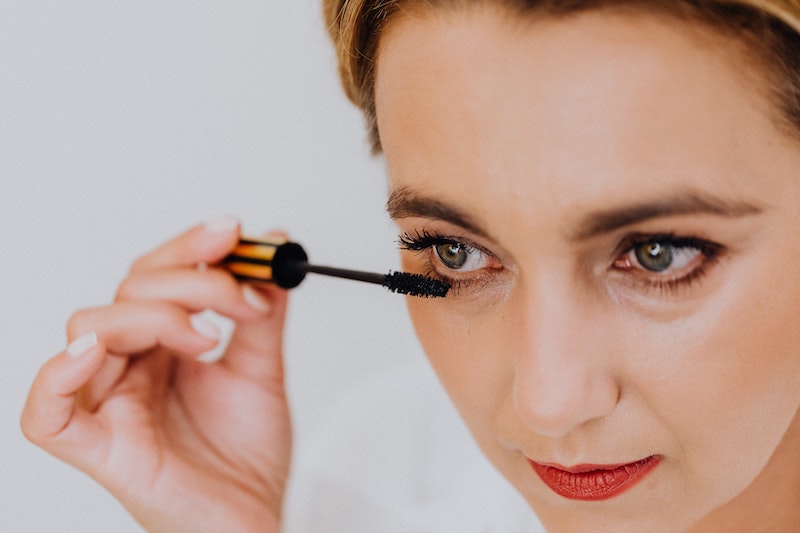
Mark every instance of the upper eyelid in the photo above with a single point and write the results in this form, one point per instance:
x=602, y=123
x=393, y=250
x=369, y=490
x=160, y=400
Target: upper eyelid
x=422, y=234
x=630, y=241
x=444, y=239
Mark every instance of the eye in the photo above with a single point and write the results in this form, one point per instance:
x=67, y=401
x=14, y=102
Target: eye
x=666, y=261
x=662, y=256
x=459, y=256
x=454, y=260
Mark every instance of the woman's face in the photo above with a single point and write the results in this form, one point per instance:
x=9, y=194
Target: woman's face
x=617, y=213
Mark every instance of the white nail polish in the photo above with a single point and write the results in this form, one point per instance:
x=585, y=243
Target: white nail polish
x=222, y=224
x=255, y=300
x=225, y=326
x=204, y=326
x=82, y=344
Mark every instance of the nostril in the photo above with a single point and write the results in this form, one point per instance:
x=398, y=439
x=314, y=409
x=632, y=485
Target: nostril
x=555, y=407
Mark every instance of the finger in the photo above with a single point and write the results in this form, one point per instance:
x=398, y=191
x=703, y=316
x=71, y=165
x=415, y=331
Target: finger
x=97, y=389
x=136, y=328
x=146, y=378
x=51, y=417
x=255, y=350
x=132, y=328
x=212, y=289
x=206, y=243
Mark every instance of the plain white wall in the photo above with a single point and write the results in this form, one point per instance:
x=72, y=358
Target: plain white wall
x=125, y=122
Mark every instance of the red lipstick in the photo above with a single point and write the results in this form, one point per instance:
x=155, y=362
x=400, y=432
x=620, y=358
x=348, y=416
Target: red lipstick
x=594, y=482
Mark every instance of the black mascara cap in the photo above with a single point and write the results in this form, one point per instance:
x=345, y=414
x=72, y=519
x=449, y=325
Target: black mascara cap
x=287, y=265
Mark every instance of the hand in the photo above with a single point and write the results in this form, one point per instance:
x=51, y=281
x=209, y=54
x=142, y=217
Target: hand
x=184, y=445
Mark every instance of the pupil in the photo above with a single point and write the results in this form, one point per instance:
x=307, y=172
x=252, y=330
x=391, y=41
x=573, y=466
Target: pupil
x=452, y=255
x=654, y=256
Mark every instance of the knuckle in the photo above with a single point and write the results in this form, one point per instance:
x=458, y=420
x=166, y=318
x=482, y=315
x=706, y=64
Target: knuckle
x=126, y=289
x=28, y=428
x=31, y=428
x=25, y=422
x=225, y=281
x=80, y=322
x=30, y=422
x=138, y=265
x=161, y=316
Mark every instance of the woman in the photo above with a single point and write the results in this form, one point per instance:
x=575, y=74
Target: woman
x=611, y=189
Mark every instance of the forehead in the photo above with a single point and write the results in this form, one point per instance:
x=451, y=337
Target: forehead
x=477, y=104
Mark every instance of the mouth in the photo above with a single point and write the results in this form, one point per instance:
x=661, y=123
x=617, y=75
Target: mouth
x=594, y=482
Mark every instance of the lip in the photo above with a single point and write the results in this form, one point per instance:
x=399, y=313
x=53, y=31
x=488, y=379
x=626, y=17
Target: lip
x=590, y=482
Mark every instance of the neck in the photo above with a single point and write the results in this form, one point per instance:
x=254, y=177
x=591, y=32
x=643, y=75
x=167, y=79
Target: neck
x=770, y=503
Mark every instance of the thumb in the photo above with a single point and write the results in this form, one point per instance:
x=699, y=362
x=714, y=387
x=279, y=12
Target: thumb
x=255, y=350
x=52, y=417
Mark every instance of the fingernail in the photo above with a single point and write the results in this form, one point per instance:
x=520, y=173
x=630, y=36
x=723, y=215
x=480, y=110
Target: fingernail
x=276, y=236
x=222, y=224
x=255, y=299
x=82, y=344
x=205, y=327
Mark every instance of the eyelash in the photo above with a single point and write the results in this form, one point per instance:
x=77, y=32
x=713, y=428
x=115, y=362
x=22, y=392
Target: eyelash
x=423, y=241
x=710, y=252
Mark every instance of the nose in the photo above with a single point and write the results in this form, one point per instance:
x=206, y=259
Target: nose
x=563, y=362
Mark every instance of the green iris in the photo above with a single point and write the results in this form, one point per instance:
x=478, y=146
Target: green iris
x=453, y=255
x=654, y=256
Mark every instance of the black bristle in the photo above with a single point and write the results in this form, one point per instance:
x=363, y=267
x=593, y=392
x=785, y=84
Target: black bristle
x=415, y=285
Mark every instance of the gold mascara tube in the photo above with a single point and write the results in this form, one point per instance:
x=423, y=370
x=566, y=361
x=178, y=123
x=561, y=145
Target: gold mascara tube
x=286, y=264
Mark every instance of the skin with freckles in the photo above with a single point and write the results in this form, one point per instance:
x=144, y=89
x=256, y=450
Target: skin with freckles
x=612, y=200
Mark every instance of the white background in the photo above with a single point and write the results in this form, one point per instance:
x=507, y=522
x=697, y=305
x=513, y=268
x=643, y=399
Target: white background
x=123, y=123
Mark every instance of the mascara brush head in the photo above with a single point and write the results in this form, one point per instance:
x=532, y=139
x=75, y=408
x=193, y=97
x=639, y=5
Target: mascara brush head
x=415, y=285
x=286, y=264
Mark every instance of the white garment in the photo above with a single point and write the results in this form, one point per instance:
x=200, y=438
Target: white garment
x=396, y=458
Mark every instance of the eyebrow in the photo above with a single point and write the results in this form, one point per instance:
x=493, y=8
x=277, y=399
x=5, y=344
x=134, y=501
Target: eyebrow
x=404, y=202
x=683, y=203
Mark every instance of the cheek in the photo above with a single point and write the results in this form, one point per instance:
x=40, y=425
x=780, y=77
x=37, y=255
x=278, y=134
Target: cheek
x=728, y=384
x=463, y=352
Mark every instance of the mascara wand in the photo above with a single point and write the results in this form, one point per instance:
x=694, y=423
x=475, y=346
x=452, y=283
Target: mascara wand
x=286, y=265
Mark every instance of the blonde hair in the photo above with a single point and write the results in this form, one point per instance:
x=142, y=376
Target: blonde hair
x=769, y=28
